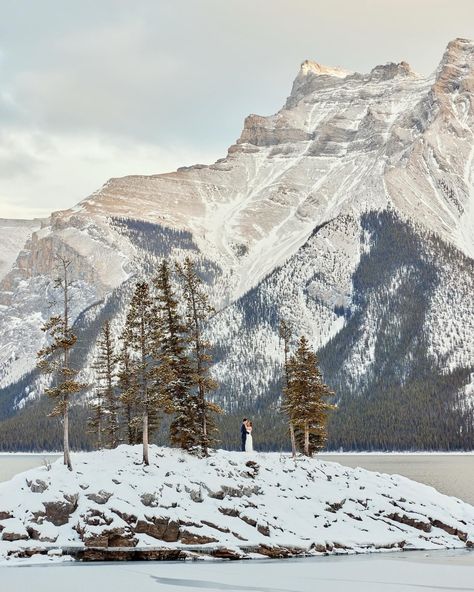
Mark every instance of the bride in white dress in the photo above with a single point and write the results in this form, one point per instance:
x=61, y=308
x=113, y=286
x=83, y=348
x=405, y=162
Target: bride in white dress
x=249, y=439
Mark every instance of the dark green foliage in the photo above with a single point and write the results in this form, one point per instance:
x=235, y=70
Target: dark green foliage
x=54, y=357
x=175, y=375
x=404, y=401
x=198, y=311
x=154, y=239
x=141, y=333
x=32, y=430
x=305, y=401
x=104, y=420
x=130, y=421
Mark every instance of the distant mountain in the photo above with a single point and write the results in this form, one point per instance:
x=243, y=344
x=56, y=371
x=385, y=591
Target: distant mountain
x=350, y=212
x=13, y=236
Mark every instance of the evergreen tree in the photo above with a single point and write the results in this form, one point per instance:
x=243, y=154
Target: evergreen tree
x=53, y=359
x=141, y=332
x=128, y=389
x=105, y=368
x=95, y=421
x=174, y=373
x=306, y=399
x=285, y=336
x=198, y=311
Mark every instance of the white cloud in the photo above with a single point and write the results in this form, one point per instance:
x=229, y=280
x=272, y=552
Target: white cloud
x=55, y=171
x=116, y=87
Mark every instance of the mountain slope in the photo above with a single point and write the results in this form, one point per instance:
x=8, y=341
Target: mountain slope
x=358, y=176
x=14, y=234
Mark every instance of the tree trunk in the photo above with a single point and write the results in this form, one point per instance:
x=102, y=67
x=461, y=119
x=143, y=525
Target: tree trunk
x=293, y=439
x=285, y=333
x=67, y=456
x=99, y=435
x=146, y=460
x=202, y=395
x=306, y=439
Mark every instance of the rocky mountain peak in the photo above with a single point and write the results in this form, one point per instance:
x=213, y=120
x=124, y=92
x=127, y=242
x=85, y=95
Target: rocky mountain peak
x=459, y=54
x=392, y=70
x=456, y=65
x=310, y=67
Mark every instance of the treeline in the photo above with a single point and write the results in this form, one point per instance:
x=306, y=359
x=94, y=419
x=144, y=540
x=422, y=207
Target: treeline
x=405, y=399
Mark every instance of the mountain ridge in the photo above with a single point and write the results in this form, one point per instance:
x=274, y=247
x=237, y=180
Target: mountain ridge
x=341, y=150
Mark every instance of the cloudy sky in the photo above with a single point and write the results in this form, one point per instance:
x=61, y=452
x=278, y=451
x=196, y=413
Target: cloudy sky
x=94, y=89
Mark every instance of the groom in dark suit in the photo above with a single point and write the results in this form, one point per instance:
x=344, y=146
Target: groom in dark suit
x=243, y=433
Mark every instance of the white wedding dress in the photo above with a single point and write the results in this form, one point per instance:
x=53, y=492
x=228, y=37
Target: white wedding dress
x=249, y=442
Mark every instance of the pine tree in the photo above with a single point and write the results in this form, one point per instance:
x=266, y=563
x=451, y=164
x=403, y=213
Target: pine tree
x=285, y=336
x=53, y=359
x=198, y=311
x=306, y=399
x=142, y=334
x=96, y=420
x=174, y=373
x=128, y=389
x=106, y=371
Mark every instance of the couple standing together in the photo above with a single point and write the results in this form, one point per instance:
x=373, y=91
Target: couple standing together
x=246, y=435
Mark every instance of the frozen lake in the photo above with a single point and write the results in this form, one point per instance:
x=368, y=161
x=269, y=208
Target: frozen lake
x=12, y=464
x=395, y=572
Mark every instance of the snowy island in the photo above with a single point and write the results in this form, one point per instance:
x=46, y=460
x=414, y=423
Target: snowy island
x=230, y=505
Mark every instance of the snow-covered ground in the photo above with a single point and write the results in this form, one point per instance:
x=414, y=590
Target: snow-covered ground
x=231, y=504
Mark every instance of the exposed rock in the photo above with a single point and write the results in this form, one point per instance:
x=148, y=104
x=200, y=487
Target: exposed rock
x=241, y=492
x=101, y=497
x=215, y=526
x=413, y=522
x=195, y=495
x=450, y=530
x=162, y=529
x=220, y=495
x=37, y=486
x=191, y=538
x=253, y=469
x=114, y=537
x=96, y=540
x=128, y=518
x=229, y=512
x=335, y=507
x=224, y=553
x=274, y=552
x=248, y=520
x=58, y=512
x=106, y=554
x=14, y=530
x=94, y=517
x=36, y=535
x=149, y=500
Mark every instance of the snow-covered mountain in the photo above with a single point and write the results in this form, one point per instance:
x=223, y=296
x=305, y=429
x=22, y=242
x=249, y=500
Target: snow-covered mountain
x=350, y=212
x=13, y=235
